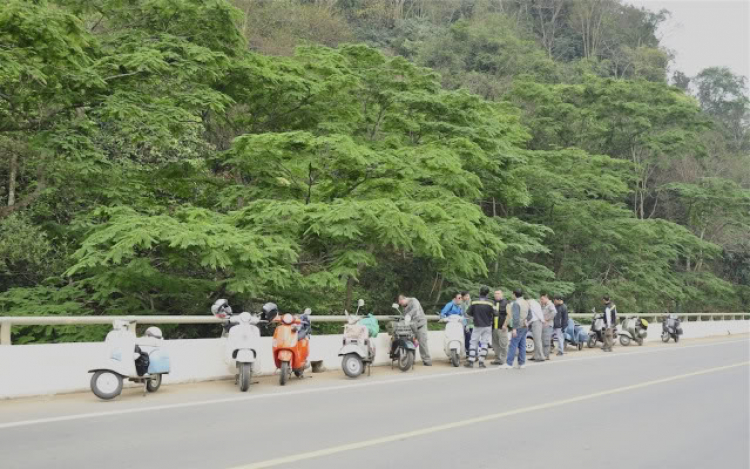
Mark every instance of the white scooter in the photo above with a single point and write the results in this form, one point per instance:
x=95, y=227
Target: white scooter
x=140, y=360
x=358, y=349
x=242, y=342
x=453, y=340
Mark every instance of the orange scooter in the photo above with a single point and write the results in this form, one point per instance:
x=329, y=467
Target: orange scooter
x=291, y=345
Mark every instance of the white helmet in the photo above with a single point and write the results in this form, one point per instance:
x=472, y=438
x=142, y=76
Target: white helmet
x=154, y=332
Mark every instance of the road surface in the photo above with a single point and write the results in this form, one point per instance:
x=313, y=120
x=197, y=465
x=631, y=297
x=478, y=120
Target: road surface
x=660, y=406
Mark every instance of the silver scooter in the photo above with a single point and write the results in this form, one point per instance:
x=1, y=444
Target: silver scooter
x=137, y=359
x=242, y=342
x=358, y=349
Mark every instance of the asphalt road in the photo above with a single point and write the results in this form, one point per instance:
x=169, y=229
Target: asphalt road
x=661, y=406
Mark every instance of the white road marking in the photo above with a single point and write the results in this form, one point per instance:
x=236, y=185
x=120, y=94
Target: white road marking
x=344, y=387
x=473, y=421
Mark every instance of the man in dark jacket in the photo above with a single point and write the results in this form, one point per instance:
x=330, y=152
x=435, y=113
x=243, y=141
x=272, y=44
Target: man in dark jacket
x=500, y=329
x=561, y=323
x=483, y=313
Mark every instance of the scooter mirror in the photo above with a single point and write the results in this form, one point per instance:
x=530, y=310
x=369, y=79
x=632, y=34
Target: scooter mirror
x=360, y=302
x=307, y=311
x=395, y=306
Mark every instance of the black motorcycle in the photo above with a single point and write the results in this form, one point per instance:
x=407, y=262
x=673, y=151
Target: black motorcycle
x=403, y=343
x=671, y=328
x=596, y=332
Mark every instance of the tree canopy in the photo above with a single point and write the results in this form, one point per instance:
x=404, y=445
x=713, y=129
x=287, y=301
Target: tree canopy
x=159, y=154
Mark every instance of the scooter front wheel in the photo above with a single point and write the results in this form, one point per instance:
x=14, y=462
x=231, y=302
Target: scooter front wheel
x=352, y=365
x=592, y=341
x=580, y=346
x=405, y=359
x=246, y=376
x=154, y=383
x=455, y=359
x=106, y=384
x=676, y=338
x=665, y=337
x=285, y=372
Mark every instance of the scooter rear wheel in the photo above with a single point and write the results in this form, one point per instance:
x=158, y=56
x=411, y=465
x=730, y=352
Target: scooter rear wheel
x=455, y=359
x=106, y=384
x=580, y=346
x=624, y=340
x=285, y=372
x=352, y=365
x=676, y=338
x=154, y=383
x=246, y=376
x=592, y=341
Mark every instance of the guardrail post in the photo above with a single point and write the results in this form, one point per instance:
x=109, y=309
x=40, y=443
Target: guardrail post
x=5, y=333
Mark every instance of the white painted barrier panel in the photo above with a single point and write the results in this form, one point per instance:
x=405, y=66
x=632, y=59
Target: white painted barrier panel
x=29, y=370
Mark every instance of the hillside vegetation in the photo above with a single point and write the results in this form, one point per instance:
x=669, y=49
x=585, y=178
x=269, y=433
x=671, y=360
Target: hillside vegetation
x=156, y=155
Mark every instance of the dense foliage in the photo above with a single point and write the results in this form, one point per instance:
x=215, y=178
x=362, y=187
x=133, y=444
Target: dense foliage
x=159, y=154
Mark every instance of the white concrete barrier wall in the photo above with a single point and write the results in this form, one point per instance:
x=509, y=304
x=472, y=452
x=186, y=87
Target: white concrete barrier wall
x=31, y=370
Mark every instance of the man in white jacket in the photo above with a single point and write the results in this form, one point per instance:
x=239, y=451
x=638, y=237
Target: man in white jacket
x=537, y=327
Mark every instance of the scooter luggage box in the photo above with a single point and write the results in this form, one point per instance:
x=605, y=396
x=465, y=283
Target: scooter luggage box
x=158, y=362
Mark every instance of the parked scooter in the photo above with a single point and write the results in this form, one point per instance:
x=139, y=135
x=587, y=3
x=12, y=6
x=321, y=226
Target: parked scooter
x=453, y=340
x=241, y=342
x=403, y=342
x=140, y=360
x=633, y=328
x=291, y=345
x=596, y=333
x=671, y=328
x=575, y=335
x=358, y=349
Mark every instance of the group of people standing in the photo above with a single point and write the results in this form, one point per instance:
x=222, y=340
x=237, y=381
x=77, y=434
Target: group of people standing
x=504, y=324
x=495, y=318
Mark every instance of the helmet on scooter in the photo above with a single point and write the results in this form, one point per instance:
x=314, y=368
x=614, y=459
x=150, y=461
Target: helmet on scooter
x=221, y=308
x=154, y=332
x=270, y=311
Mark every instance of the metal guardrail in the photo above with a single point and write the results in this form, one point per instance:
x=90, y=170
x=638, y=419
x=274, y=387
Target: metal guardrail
x=7, y=322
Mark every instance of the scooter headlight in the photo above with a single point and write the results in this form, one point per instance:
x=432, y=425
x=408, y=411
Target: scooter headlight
x=287, y=319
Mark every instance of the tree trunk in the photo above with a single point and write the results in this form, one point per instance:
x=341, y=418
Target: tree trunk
x=349, y=288
x=12, y=179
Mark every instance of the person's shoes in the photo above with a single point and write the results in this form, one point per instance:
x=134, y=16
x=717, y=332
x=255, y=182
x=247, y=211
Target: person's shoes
x=504, y=366
x=546, y=358
x=497, y=362
x=559, y=354
x=532, y=359
x=522, y=367
x=469, y=365
x=482, y=365
x=427, y=363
